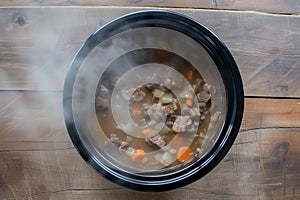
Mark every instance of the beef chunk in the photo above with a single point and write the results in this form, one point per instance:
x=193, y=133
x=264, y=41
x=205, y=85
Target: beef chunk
x=203, y=96
x=155, y=139
x=193, y=112
x=119, y=143
x=169, y=123
x=126, y=94
x=114, y=138
x=151, y=86
x=133, y=95
x=181, y=123
x=124, y=145
x=169, y=110
x=137, y=96
x=145, y=108
x=156, y=112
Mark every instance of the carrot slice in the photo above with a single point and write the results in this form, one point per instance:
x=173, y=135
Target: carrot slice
x=184, y=154
x=136, y=111
x=138, y=155
x=189, y=102
x=147, y=131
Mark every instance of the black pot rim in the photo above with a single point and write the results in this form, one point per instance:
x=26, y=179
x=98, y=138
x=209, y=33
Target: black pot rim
x=227, y=68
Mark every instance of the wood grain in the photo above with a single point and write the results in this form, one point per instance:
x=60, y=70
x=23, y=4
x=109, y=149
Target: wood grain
x=280, y=6
x=38, y=40
x=39, y=161
x=243, y=174
x=35, y=119
x=125, y=194
x=271, y=113
x=38, y=44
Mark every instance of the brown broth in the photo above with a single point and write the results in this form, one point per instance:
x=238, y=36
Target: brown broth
x=135, y=58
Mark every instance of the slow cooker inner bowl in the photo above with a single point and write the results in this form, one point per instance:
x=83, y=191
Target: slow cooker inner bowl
x=127, y=46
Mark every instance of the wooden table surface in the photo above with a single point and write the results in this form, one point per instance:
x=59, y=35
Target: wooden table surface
x=38, y=40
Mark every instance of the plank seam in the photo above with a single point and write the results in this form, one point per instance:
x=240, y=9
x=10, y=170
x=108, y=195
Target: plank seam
x=159, y=8
x=267, y=128
x=65, y=190
x=271, y=97
x=33, y=150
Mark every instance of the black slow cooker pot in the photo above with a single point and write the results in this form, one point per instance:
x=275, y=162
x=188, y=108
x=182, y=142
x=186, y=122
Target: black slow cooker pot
x=127, y=36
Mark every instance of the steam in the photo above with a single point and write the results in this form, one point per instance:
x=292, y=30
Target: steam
x=105, y=53
x=35, y=55
x=48, y=58
x=39, y=55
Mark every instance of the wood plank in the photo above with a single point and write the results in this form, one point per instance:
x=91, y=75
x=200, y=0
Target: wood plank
x=281, y=6
x=39, y=161
x=38, y=45
x=271, y=113
x=266, y=165
x=128, y=195
x=34, y=120
x=31, y=117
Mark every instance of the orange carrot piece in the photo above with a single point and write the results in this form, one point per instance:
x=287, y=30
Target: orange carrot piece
x=184, y=154
x=136, y=111
x=189, y=102
x=138, y=155
x=147, y=131
x=190, y=75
